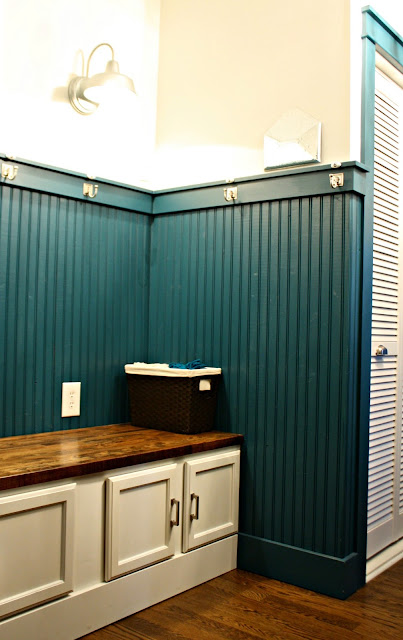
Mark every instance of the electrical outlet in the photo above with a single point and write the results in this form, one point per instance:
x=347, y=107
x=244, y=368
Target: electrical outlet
x=71, y=392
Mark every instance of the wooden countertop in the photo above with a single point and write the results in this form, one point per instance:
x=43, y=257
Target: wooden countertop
x=44, y=457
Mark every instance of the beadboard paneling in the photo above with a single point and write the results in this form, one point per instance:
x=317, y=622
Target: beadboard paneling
x=269, y=291
x=73, y=307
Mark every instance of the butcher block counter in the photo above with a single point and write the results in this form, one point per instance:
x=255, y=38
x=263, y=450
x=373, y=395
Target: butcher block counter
x=45, y=457
x=100, y=522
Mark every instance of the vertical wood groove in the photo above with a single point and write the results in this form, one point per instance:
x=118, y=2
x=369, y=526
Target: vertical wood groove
x=304, y=541
x=338, y=532
x=266, y=335
x=297, y=367
x=326, y=503
x=275, y=503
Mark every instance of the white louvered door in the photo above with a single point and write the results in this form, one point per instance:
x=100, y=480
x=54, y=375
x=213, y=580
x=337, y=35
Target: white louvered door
x=385, y=473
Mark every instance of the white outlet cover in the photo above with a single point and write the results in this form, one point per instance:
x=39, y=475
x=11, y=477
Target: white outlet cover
x=71, y=392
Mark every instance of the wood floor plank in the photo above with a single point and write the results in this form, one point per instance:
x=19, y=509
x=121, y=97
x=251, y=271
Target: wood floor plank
x=315, y=609
x=244, y=606
x=264, y=617
x=113, y=632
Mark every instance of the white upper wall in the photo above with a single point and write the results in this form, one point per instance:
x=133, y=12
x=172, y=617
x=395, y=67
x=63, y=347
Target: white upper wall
x=229, y=69
x=224, y=70
x=39, y=40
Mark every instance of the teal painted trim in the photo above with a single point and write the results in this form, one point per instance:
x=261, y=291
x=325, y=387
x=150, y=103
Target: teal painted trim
x=368, y=108
x=383, y=35
x=277, y=186
x=367, y=154
x=377, y=35
x=335, y=577
x=53, y=181
x=267, y=175
x=358, y=401
x=69, y=172
x=306, y=181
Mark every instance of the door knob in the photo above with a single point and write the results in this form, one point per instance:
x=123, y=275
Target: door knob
x=381, y=351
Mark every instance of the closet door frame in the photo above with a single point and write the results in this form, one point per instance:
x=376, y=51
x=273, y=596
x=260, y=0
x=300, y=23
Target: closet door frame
x=377, y=36
x=385, y=426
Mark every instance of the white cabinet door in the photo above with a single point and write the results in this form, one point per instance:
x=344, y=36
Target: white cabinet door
x=211, y=488
x=36, y=547
x=142, y=509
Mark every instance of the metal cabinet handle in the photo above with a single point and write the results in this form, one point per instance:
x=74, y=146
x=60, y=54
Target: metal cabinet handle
x=381, y=351
x=175, y=523
x=195, y=516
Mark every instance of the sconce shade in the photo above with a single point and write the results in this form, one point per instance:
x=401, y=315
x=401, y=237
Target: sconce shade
x=111, y=78
x=86, y=93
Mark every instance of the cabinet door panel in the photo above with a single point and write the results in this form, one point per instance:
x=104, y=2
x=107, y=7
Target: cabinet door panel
x=36, y=547
x=210, y=499
x=139, y=512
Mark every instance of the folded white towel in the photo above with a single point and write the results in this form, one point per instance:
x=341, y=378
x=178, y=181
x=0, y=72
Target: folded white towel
x=160, y=369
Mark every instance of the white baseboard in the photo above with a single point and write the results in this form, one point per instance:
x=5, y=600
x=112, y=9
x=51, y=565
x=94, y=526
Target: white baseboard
x=80, y=613
x=384, y=560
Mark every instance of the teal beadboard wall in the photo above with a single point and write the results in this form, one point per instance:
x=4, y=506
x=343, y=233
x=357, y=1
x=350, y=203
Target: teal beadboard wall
x=268, y=288
x=271, y=293
x=74, y=280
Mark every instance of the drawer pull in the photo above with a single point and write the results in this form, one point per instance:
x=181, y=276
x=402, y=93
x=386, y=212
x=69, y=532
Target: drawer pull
x=175, y=523
x=195, y=516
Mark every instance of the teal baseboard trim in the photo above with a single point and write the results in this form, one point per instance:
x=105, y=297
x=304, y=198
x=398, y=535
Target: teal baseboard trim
x=335, y=577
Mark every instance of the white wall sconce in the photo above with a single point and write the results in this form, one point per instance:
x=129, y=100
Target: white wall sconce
x=86, y=93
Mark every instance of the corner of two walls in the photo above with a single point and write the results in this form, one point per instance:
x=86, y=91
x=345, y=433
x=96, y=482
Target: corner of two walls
x=269, y=290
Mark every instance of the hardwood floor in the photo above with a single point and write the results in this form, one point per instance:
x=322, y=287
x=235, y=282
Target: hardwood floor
x=244, y=606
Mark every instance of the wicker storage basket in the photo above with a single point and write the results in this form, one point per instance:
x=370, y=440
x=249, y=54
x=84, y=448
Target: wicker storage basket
x=178, y=400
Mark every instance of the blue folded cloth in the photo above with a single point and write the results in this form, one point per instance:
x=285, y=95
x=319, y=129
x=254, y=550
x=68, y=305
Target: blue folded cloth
x=194, y=364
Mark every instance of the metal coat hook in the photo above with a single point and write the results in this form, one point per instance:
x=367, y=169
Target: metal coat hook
x=231, y=193
x=90, y=190
x=336, y=180
x=9, y=171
